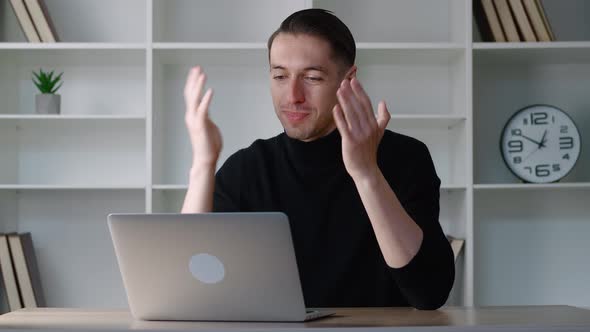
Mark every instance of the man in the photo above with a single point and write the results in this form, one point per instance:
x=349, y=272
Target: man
x=363, y=202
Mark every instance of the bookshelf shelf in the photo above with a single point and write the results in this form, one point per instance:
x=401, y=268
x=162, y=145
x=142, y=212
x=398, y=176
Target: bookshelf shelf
x=86, y=21
x=529, y=245
x=426, y=120
x=411, y=46
x=65, y=153
x=182, y=187
x=68, y=187
x=447, y=187
x=530, y=56
x=73, y=46
x=120, y=144
x=170, y=187
x=70, y=226
x=100, y=82
x=66, y=117
x=553, y=76
x=532, y=45
x=209, y=46
x=453, y=187
x=262, y=46
x=532, y=186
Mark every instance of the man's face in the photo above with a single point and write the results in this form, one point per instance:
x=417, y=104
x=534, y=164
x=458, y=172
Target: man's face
x=304, y=79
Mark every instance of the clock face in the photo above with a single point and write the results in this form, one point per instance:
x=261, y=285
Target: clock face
x=540, y=144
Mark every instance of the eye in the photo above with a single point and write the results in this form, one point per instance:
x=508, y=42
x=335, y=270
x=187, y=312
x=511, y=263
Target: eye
x=278, y=77
x=314, y=79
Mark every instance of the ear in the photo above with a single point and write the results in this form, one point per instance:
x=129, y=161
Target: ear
x=351, y=73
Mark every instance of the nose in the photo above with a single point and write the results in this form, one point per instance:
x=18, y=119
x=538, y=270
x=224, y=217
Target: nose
x=296, y=91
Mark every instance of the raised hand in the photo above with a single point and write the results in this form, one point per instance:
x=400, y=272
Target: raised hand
x=361, y=131
x=204, y=134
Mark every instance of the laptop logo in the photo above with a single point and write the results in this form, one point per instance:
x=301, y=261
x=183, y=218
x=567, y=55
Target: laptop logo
x=207, y=268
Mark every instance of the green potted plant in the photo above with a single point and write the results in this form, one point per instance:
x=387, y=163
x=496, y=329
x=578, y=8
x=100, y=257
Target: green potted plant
x=47, y=102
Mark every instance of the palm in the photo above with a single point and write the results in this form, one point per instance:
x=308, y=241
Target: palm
x=205, y=139
x=361, y=131
x=204, y=134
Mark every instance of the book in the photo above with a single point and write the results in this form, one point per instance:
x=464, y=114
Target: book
x=537, y=23
x=42, y=20
x=487, y=20
x=545, y=20
x=522, y=20
x=25, y=21
x=507, y=20
x=8, y=276
x=27, y=272
x=481, y=22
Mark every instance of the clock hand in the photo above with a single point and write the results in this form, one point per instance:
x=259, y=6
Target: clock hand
x=539, y=145
x=530, y=139
x=543, y=140
x=527, y=157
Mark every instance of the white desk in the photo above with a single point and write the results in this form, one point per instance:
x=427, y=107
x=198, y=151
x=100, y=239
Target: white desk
x=529, y=318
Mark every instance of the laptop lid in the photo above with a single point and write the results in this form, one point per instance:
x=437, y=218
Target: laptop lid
x=212, y=266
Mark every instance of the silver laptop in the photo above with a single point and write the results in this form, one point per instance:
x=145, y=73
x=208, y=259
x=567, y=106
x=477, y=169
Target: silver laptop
x=211, y=266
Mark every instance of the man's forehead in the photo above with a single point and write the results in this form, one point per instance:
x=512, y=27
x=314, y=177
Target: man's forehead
x=296, y=61
x=301, y=51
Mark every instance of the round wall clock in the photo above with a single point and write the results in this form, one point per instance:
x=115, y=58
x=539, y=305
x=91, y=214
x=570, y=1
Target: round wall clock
x=540, y=144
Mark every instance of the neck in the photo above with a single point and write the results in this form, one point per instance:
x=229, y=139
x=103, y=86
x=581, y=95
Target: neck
x=318, y=153
x=326, y=133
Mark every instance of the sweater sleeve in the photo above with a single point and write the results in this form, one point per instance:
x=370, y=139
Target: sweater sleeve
x=427, y=279
x=227, y=195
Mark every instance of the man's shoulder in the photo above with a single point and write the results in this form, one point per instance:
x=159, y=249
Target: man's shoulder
x=394, y=141
x=405, y=160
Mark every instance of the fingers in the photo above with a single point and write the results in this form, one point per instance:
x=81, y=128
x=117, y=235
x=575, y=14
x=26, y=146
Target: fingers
x=199, y=87
x=349, y=105
x=356, y=106
x=203, y=109
x=383, y=116
x=194, y=85
x=340, y=121
x=191, y=77
x=355, y=112
x=364, y=100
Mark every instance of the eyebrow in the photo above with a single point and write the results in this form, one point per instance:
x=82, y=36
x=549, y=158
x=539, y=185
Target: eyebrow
x=316, y=68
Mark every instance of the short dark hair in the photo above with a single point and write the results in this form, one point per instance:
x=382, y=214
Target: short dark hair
x=324, y=24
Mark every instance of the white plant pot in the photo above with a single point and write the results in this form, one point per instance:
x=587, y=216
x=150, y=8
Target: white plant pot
x=47, y=103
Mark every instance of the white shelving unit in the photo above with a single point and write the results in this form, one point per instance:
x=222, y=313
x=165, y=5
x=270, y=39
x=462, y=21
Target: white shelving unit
x=120, y=144
x=527, y=238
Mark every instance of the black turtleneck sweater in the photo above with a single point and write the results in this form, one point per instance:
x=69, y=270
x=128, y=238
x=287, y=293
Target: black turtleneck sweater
x=339, y=260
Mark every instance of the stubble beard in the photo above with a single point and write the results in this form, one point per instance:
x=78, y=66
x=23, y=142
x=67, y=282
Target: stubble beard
x=309, y=131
